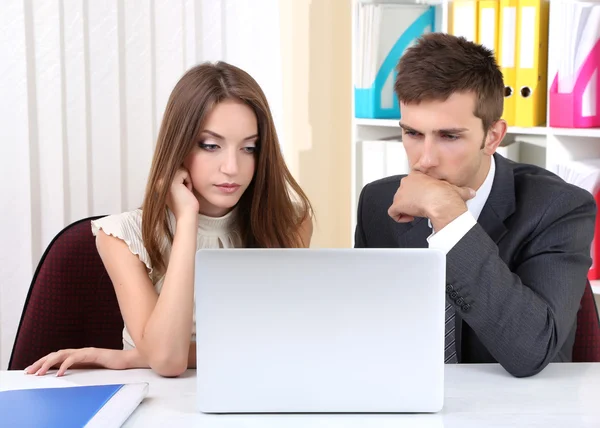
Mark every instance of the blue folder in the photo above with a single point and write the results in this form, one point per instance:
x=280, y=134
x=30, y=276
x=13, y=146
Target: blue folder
x=369, y=102
x=54, y=407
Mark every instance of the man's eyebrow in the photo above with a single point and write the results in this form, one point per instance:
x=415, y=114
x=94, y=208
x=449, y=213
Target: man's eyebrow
x=406, y=127
x=220, y=137
x=437, y=131
x=451, y=130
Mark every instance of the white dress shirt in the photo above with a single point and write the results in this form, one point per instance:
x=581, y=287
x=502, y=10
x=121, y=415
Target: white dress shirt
x=449, y=236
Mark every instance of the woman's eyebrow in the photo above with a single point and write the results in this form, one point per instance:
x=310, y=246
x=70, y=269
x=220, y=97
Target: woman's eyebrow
x=220, y=137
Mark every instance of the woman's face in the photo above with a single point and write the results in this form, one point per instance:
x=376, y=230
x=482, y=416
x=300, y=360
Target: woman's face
x=222, y=163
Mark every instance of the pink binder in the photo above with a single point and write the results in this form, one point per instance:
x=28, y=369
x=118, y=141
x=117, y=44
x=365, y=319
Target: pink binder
x=566, y=108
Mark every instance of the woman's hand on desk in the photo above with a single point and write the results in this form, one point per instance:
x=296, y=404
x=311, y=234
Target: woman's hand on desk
x=87, y=357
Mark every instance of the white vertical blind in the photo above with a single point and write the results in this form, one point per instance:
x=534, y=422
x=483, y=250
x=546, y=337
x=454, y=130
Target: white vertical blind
x=84, y=84
x=48, y=147
x=16, y=261
x=139, y=118
x=76, y=110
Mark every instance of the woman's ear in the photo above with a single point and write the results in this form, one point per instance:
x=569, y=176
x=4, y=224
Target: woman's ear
x=186, y=163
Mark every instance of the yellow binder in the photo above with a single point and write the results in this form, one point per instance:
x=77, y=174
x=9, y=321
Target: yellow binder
x=488, y=24
x=506, y=57
x=463, y=19
x=532, y=62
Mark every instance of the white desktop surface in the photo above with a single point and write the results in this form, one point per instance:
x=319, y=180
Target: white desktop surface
x=563, y=395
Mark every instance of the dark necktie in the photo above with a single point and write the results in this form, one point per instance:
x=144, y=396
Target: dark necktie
x=450, y=342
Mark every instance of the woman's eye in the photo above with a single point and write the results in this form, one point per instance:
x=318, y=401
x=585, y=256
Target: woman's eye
x=249, y=150
x=208, y=147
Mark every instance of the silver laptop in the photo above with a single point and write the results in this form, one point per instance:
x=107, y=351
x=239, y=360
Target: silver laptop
x=320, y=330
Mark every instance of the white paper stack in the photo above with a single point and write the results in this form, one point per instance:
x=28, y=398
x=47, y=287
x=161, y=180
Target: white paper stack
x=510, y=150
x=584, y=173
x=380, y=159
x=580, y=31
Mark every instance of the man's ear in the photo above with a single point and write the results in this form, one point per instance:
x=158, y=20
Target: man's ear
x=494, y=137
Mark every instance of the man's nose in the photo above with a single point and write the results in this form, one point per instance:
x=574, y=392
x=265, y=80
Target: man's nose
x=429, y=155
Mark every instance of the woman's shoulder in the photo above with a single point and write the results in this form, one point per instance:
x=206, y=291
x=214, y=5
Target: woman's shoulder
x=302, y=209
x=304, y=220
x=126, y=226
x=129, y=222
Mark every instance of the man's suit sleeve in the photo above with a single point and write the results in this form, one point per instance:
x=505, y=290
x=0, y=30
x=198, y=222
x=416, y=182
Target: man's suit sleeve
x=524, y=316
x=359, y=233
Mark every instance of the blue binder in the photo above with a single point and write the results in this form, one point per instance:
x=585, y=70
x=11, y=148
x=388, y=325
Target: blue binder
x=54, y=407
x=368, y=101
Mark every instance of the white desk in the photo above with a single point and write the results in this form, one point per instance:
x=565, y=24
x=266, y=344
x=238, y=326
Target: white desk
x=563, y=395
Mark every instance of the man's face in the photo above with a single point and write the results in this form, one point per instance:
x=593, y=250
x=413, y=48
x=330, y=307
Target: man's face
x=445, y=140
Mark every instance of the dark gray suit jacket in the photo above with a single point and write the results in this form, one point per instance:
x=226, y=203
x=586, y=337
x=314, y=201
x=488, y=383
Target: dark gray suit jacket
x=517, y=277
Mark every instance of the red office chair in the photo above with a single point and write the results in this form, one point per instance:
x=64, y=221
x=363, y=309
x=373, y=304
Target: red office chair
x=71, y=301
x=586, y=348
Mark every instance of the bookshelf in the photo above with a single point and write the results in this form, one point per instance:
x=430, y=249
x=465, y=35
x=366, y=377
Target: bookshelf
x=512, y=130
x=541, y=145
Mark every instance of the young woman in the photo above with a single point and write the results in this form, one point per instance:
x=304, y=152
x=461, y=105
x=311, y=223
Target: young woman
x=218, y=180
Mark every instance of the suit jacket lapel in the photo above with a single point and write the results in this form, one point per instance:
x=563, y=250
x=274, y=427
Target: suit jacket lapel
x=501, y=202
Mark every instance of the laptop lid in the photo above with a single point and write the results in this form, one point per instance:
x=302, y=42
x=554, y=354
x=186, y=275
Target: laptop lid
x=320, y=330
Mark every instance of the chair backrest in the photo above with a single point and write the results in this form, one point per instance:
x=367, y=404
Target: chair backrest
x=71, y=301
x=587, y=339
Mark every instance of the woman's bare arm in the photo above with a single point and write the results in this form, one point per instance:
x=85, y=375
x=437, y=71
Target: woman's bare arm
x=160, y=326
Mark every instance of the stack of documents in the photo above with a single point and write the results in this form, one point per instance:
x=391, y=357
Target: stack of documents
x=575, y=92
x=380, y=159
x=510, y=149
x=586, y=174
x=383, y=32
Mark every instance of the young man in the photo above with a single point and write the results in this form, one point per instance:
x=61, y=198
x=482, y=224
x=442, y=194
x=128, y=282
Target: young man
x=517, y=237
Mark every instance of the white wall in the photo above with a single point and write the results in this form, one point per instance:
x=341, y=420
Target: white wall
x=83, y=85
x=316, y=38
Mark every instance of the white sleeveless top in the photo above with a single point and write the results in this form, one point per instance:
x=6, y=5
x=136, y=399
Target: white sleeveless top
x=221, y=232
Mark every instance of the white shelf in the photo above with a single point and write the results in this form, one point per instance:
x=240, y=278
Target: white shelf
x=514, y=130
x=596, y=286
x=536, y=130
x=577, y=132
x=377, y=122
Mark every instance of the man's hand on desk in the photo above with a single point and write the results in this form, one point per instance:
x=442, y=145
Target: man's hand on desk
x=422, y=196
x=87, y=357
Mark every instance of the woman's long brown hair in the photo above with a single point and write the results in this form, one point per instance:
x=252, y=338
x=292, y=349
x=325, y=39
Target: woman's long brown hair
x=273, y=207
